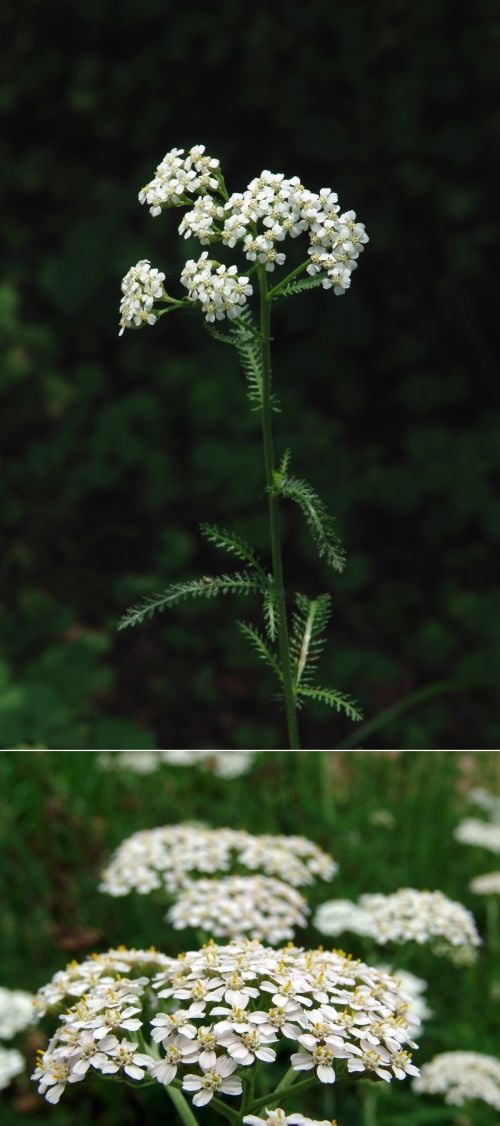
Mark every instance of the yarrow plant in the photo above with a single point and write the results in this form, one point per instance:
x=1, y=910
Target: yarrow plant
x=461, y=1077
x=172, y=857
x=206, y=1022
x=223, y=764
x=407, y=915
x=253, y=225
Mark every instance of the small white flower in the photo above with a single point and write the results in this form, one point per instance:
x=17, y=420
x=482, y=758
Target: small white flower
x=217, y=1079
x=483, y=834
x=16, y=1012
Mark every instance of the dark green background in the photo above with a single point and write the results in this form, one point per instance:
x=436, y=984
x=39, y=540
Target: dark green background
x=115, y=449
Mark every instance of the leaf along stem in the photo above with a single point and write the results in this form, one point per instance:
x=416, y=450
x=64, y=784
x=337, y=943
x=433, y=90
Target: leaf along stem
x=274, y=519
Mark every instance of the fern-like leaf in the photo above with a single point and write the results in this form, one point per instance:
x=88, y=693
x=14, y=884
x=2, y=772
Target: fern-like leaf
x=239, y=582
x=306, y=640
x=270, y=613
x=261, y=647
x=321, y=524
x=300, y=285
x=234, y=545
x=332, y=698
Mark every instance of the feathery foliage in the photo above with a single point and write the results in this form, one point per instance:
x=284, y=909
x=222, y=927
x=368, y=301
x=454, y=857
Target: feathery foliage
x=245, y=337
x=332, y=698
x=261, y=647
x=270, y=613
x=234, y=545
x=239, y=582
x=306, y=641
x=299, y=286
x=321, y=524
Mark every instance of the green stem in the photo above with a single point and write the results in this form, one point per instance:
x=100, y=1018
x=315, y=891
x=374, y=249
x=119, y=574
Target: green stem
x=369, y=1108
x=274, y=519
x=289, y=277
x=182, y=1107
x=492, y=922
x=232, y=1115
x=281, y=1093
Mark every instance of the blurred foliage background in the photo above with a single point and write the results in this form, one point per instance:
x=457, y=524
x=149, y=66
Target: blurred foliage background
x=386, y=818
x=116, y=449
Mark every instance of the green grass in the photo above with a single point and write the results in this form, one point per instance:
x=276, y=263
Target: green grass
x=60, y=817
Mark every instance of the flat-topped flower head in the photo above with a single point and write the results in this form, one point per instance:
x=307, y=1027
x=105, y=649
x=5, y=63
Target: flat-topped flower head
x=489, y=884
x=407, y=915
x=487, y=801
x=134, y=966
x=12, y=1063
x=205, y=1015
x=236, y=906
x=218, y=289
x=484, y=834
x=141, y=287
x=172, y=856
x=256, y=222
x=461, y=1077
x=16, y=1012
x=179, y=176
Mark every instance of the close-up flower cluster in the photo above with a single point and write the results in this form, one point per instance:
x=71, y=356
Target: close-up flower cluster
x=207, y=1014
x=256, y=221
x=407, y=915
x=461, y=1077
x=16, y=1012
x=141, y=287
x=222, y=764
x=172, y=856
x=216, y=288
x=483, y=834
x=253, y=906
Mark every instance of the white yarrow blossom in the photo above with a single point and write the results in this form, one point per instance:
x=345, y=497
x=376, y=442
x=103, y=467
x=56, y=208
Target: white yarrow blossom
x=489, y=884
x=487, y=801
x=461, y=1077
x=16, y=1012
x=11, y=1064
x=484, y=834
x=180, y=176
x=236, y=906
x=219, y=289
x=173, y=856
x=407, y=915
x=141, y=287
x=209, y=1012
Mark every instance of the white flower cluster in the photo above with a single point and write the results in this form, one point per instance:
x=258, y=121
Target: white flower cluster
x=141, y=287
x=80, y=977
x=336, y=916
x=223, y=764
x=489, y=884
x=407, y=915
x=461, y=1076
x=16, y=1012
x=280, y=1117
x=484, y=834
x=218, y=288
x=487, y=801
x=222, y=1008
x=170, y=857
x=11, y=1064
x=178, y=177
x=241, y=906
x=273, y=207
x=414, y=987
